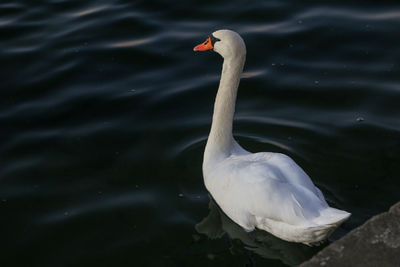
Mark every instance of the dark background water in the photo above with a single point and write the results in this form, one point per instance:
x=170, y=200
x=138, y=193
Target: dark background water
x=105, y=110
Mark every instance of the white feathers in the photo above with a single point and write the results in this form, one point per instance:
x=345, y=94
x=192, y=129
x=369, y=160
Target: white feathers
x=268, y=191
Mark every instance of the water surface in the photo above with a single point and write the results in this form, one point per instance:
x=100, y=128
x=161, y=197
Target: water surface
x=105, y=111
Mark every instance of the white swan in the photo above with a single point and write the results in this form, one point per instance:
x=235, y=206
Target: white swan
x=268, y=191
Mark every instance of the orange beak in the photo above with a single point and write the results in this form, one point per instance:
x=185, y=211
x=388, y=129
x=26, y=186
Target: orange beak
x=207, y=45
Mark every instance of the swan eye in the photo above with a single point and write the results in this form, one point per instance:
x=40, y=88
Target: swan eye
x=213, y=39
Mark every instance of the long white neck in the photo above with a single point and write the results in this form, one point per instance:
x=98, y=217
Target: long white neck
x=220, y=141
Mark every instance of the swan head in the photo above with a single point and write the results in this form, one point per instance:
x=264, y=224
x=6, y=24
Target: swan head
x=227, y=43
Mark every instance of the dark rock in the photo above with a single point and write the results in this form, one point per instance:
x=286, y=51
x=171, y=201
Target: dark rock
x=375, y=243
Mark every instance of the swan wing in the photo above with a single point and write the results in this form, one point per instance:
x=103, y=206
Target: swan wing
x=289, y=170
x=267, y=185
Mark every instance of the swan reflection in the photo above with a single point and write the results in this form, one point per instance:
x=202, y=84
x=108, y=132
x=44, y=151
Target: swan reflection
x=216, y=224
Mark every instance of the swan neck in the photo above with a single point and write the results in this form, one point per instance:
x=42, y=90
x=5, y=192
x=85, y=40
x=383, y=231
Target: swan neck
x=220, y=141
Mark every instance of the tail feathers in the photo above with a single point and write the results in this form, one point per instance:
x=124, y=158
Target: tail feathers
x=316, y=230
x=326, y=224
x=331, y=216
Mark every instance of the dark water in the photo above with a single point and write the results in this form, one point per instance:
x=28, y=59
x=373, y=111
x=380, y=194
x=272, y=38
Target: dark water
x=105, y=110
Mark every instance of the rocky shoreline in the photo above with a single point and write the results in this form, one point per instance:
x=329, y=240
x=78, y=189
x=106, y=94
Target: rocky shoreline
x=375, y=243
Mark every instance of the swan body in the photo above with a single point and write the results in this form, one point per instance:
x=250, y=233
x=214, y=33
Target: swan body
x=268, y=191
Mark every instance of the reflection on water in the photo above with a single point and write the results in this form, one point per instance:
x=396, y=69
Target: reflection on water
x=131, y=43
x=216, y=224
x=88, y=11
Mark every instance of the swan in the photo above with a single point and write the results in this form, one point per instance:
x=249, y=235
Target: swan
x=265, y=190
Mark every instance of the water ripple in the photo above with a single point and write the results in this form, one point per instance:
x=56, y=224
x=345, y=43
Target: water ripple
x=88, y=11
x=103, y=204
x=107, y=95
x=131, y=43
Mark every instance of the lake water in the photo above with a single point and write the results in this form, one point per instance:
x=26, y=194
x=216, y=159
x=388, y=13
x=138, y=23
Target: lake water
x=105, y=110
